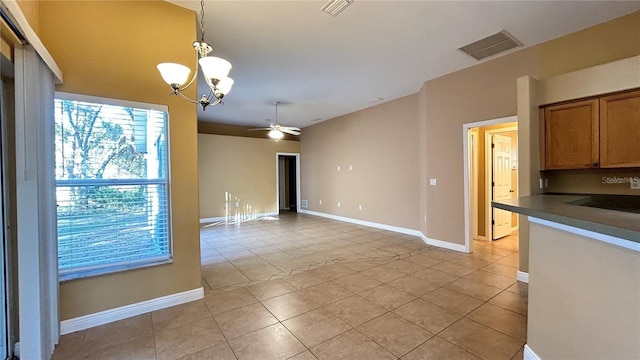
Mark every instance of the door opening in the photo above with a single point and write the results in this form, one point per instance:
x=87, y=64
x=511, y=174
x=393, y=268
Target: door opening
x=288, y=182
x=490, y=172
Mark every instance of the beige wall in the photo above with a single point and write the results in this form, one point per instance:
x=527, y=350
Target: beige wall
x=483, y=92
x=31, y=11
x=583, y=297
x=600, y=44
x=110, y=49
x=244, y=167
x=381, y=145
x=443, y=105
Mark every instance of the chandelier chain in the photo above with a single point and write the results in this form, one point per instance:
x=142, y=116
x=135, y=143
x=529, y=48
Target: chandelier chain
x=202, y=20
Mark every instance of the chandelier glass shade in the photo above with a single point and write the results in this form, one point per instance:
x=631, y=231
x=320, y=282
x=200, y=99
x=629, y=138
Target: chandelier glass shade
x=215, y=71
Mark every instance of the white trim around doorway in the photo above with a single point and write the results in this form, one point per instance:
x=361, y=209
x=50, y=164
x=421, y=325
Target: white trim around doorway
x=468, y=236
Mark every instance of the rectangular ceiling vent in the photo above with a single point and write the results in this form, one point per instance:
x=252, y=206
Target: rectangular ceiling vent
x=491, y=45
x=335, y=7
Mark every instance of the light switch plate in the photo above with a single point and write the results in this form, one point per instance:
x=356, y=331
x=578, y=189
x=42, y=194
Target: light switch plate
x=433, y=182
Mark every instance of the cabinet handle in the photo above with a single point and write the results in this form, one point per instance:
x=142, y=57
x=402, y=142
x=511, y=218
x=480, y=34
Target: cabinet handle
x=595, y=164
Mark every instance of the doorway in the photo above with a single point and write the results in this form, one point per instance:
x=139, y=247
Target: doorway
x=491, y=173
x=288, y=182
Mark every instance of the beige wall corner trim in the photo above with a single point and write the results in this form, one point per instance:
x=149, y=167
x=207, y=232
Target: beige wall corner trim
x=398, y=229
x=606, y=78
x=123, y=312
x=23, y=25
x=523, y=276
x=233, y=218
x=530, y=354
x=627, y=244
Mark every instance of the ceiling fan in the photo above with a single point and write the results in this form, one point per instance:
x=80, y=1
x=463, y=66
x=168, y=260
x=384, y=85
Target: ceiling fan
x=277, y=131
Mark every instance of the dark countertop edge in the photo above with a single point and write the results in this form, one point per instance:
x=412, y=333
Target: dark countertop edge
x=556, y=208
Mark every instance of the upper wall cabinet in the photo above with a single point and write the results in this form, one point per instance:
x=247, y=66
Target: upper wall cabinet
x=601, y=132
x=620, y=130
x=571, y=135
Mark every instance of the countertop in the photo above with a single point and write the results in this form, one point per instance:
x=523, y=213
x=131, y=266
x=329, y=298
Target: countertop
x=559, y=209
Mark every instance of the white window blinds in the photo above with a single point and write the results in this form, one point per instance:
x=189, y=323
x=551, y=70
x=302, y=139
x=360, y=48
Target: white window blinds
x=112, y=186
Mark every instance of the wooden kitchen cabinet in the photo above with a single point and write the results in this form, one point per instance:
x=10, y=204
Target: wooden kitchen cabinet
x=601, y=132
x=571, y=135
x=620, y=130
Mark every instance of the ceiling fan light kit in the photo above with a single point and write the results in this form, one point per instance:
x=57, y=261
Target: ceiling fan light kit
x=275, y=134
x=214, y=69
x=277, y=131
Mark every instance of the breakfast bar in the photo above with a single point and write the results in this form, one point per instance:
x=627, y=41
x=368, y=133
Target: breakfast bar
x=584, y=275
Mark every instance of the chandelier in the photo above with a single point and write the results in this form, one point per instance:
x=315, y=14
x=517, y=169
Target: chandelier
x=214, y=70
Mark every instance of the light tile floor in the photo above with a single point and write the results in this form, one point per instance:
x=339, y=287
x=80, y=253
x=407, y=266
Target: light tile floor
x=304, y=287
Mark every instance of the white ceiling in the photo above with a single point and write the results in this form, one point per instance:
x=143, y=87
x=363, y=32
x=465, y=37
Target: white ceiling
x=321, y=66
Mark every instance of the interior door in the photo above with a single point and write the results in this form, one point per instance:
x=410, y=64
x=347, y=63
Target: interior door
x=501, y=184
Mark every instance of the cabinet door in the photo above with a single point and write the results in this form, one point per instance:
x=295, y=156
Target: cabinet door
x=620, y=130
x=571, y=135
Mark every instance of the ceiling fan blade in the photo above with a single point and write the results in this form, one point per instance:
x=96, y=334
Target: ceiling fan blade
x=292, y=128
x=289, y=131
x=260, y=129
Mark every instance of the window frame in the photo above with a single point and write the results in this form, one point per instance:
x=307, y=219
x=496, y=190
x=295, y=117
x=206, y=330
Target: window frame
x=86, y=273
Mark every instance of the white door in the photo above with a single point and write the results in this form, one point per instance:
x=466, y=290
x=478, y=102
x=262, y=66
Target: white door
x=501, y=188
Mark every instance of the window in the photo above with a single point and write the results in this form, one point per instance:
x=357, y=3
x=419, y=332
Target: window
x=112, y=187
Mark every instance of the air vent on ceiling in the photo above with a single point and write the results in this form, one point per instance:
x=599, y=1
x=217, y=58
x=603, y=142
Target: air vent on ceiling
x=491, y=45
x=335, y=7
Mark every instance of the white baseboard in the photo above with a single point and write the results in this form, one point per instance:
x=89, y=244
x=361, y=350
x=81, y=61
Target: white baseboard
x=398, y=229
x=523, y=276
x=233, y=218
x=530, y=354
x=444, y=244
x=127, y=311
x=372, y=224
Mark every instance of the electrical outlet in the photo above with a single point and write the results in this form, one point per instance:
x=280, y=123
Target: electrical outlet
x=359, y=207
x=546, y=183
x=350, y=167
x=433, y=182
x=320, y=201
x=338, y=203
x=541, y=183
x=338, y=168
x=304, y=203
